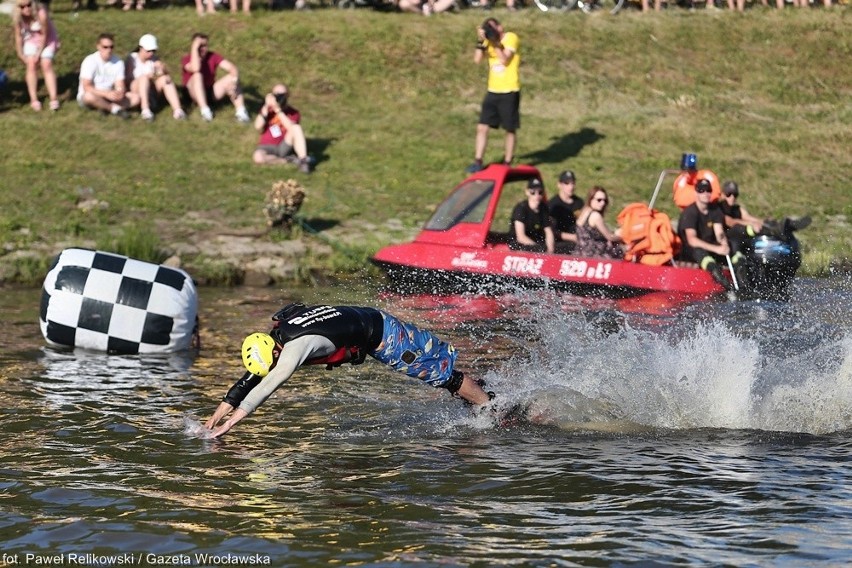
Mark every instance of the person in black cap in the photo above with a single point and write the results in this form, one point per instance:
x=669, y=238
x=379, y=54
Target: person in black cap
x=736, y=214
x=564, y=207
x=741, y=226
x=530, y=228
x=701, y=228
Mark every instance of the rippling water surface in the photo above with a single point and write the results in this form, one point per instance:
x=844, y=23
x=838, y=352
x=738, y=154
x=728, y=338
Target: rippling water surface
x=686, y=435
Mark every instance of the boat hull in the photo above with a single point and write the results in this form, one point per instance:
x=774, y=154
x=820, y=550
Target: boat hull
x=430, y=266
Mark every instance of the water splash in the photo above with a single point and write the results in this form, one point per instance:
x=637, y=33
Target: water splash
x=194, y=428
x=577, y=374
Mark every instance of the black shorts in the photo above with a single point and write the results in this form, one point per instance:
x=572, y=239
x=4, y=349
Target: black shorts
x=501, y=110
x=697, y=255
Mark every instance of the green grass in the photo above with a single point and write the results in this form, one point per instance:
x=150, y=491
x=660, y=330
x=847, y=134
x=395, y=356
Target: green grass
x=390, y=101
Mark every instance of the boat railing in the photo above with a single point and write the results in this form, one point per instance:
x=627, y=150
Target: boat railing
x=663, y=175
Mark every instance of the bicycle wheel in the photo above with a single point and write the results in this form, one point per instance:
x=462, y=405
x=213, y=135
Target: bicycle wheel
x=611, y=6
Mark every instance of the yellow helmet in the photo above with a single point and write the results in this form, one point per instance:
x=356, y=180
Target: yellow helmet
x=257, y=353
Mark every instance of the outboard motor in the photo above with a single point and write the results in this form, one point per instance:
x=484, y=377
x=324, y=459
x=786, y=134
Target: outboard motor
x=773, y=262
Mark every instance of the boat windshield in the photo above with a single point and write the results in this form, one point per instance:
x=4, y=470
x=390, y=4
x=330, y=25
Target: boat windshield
x=467, y=204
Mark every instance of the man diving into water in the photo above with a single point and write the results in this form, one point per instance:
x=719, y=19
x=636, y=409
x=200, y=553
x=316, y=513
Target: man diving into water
x=332, y=336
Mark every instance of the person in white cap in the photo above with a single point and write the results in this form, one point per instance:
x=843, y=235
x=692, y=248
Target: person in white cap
x=149, y=76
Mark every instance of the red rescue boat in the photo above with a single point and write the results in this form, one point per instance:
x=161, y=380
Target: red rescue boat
x=465, y=244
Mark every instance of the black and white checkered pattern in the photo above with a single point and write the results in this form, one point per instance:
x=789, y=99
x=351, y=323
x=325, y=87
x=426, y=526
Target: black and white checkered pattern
x=115, y=304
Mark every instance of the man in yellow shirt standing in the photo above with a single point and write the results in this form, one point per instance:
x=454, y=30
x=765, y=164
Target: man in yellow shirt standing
x=501, y=106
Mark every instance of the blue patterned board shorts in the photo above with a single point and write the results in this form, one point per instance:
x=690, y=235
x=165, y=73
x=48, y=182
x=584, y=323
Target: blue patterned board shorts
x=415, y=352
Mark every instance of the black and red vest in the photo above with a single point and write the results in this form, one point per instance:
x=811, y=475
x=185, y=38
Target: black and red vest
x=354, y=331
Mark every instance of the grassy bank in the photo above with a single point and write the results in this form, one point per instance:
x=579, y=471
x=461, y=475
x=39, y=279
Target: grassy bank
x=389, y=102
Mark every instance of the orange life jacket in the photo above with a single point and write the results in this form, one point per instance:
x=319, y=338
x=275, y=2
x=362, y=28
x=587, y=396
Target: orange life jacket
x=684, y=187
x=648, y=234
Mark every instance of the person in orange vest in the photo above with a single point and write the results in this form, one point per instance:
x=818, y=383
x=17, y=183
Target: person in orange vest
x=684, y=185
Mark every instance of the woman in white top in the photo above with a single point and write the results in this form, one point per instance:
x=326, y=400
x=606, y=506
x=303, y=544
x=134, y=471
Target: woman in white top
x=149, y=75
x=36, y=41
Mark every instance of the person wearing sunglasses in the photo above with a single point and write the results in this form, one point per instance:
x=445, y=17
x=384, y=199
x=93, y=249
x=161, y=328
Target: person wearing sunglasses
x=741, y=226
x=701, y=229
x=593, y=236
x=36, y=43
x=564, y=208
x=530, y=226
x=102, y=83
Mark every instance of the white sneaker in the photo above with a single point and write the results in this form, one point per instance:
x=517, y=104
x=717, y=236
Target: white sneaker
x=242, y=115
x=147, y=115
x=207, y=114
x=179, y=114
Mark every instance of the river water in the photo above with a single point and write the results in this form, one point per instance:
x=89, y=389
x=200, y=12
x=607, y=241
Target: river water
x=709, y=434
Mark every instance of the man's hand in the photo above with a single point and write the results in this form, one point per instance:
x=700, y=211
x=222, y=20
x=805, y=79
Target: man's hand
x=235, y=419
x=114, y=96
x=272, y=104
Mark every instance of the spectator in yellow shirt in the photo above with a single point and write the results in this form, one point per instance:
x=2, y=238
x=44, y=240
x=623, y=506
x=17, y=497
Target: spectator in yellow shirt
x=501, y=105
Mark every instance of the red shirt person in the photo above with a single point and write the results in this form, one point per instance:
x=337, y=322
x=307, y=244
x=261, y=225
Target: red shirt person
x=200, y=68
x=281, y=135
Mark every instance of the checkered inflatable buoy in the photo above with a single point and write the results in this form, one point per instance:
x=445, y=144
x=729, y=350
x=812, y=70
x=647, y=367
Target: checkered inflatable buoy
x=115, y=304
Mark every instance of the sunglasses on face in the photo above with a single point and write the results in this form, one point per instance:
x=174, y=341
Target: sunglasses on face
x=535, y=191
x=703, y=190
x=600, y=199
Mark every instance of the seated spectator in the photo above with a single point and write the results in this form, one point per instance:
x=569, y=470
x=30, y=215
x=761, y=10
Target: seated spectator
x=199, y=78
x=149, y=77
x=36, y=43
x=563, y=211
x=199, y=7
x=530, y=228
x=281, y=135
x=701, y=228
x=246, y=6
x=211, y=6
x=426, y=7
x=593, y=236
x=102, y=84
